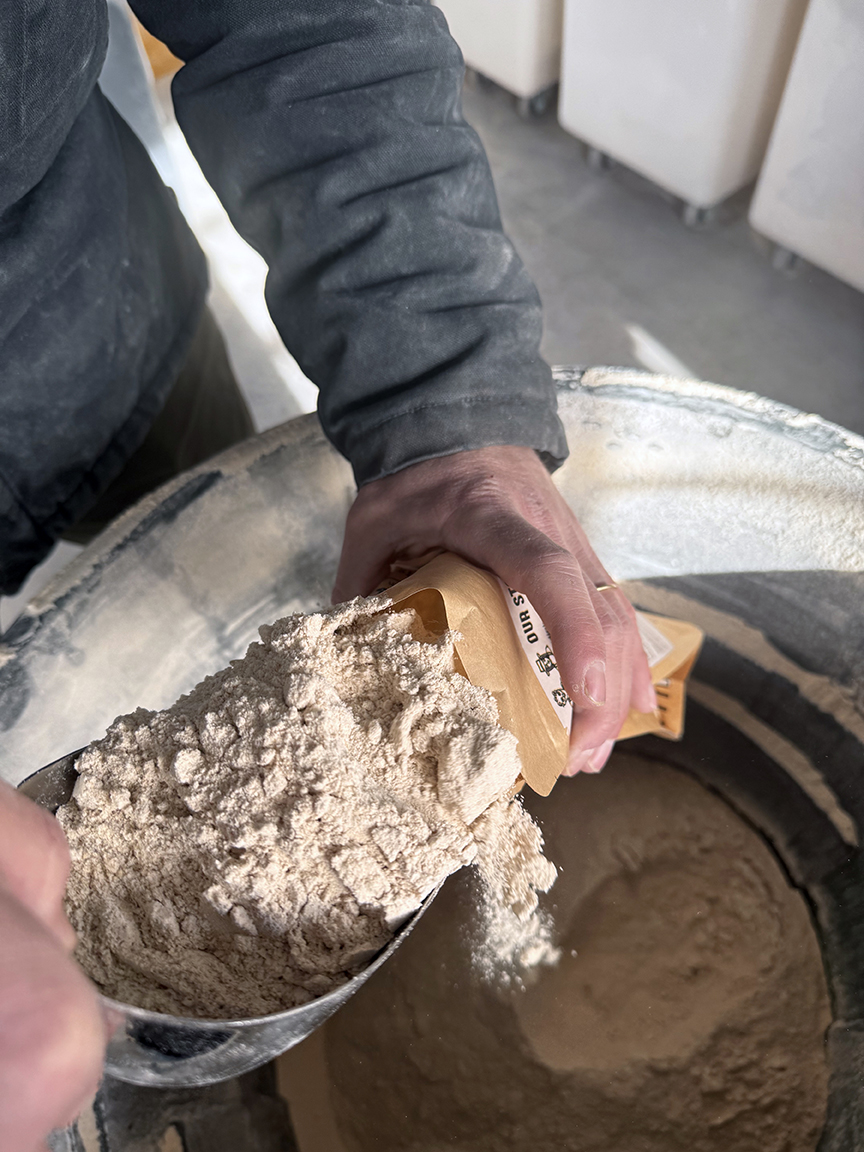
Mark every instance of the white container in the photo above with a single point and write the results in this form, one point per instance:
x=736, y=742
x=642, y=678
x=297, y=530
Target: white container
x=683, y=91
x=810, y=195
x=516, y=43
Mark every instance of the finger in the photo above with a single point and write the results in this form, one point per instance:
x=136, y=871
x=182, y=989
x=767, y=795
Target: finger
x=577, y=542
x=589, y=760
x=598, y=758
x=643, y=697
x=583, y=757
x=34, y=861
x=594, y=727
x=632, y=657
x=51, y=1055
x=526, y=559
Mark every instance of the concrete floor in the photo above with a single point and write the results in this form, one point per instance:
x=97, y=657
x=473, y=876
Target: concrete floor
x=619, y=274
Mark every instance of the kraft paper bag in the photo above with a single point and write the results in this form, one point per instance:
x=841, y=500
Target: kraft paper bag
x=503, y=646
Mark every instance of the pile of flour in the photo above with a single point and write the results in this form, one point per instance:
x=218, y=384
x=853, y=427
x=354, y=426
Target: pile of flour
x=252, y=846
x=687, y=1012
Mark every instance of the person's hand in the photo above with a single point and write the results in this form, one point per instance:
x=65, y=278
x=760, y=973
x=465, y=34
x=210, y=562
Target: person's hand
x=51, y=1031
x=498, y=508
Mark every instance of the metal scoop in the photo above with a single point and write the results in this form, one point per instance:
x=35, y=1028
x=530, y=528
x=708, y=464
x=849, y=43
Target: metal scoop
x=155, y=1049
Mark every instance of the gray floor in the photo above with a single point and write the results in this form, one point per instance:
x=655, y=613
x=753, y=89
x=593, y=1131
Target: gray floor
x=608, y=251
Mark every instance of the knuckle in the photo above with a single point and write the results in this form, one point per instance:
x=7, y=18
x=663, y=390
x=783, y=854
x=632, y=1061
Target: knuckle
x=560, y=562
x=485, y=506
x=487, y=490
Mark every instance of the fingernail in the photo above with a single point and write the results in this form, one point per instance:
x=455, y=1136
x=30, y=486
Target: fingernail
x=594, y=684
x=575, y=765
x=598, y=760
x=577, y=757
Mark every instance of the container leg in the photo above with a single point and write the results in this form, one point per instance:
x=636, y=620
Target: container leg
x=529, y=107
x=785, y=260
x=695, y=216
x=596, y=160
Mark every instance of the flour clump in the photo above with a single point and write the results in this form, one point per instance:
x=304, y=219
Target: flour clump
x=255, y=844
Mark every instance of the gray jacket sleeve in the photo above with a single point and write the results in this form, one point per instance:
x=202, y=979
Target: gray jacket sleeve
x=332, y=132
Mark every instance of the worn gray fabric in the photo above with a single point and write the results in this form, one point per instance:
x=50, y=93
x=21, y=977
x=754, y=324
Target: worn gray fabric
x=205, y=412
x=101, y=289
x=332, y=131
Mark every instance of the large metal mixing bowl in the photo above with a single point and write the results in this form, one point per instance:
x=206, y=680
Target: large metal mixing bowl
x=735, y=511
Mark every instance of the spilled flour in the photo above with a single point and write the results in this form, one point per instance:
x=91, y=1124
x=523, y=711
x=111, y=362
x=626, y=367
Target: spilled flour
x=254, y=845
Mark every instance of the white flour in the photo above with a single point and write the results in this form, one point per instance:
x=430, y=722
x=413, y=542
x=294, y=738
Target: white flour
x=252, y=846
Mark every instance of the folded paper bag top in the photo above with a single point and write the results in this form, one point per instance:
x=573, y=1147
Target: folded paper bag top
x=504, y=647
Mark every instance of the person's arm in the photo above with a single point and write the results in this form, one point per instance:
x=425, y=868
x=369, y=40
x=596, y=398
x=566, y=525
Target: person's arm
x=51, y=1031
x=332, y=132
